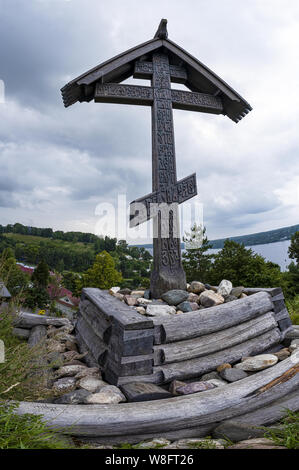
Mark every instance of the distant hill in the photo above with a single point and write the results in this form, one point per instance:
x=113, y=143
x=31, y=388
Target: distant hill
x=260, y=238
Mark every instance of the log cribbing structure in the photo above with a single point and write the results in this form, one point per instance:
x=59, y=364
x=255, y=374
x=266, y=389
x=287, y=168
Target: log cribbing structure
x=130, y=347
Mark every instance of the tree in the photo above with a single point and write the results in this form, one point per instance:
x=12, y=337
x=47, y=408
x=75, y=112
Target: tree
x=10, y=273
x=294, y=247
x=244, y=267
x=40, y=276
x=197, y=263
x=36, y=297
x=103, y=273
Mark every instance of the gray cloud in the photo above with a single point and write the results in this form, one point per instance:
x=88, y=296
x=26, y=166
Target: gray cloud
x=57, y=164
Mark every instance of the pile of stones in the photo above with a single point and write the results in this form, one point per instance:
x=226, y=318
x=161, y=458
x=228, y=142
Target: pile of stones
x=72, y=381
x=196, y=296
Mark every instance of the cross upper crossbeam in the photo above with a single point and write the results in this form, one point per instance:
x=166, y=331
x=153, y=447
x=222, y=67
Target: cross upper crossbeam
x=144, y=96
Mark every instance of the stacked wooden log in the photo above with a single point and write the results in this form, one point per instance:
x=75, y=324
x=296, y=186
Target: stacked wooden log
x=130, y=347
x=119, y=339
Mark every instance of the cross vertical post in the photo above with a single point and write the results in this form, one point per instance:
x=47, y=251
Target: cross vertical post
x=167, y=272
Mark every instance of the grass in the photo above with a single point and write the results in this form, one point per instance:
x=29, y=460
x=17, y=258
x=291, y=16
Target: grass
x=293, y=308
x=23, y=375
x=288, y=434
x=28, y=431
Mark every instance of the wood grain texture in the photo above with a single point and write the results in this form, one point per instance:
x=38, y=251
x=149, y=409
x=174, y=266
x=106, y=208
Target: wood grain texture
x=202, y=322
x=89, y=359
x=131, y=365
x=161, y=416
x=131, y=342
x=37, y=334
x=115, y=310
x=196, y=367
x=21, y=333
x=29, y=320
x=208, y=344
x=98, y=322
x=92, y=341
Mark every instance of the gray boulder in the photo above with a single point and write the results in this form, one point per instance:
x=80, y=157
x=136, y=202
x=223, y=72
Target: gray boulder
x=73, y=398
x=185, y=306
x=237, y=431
x=232, y=375
x=175, y=296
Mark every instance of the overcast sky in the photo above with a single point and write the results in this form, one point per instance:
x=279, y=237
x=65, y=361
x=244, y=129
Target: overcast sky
x=57, y=164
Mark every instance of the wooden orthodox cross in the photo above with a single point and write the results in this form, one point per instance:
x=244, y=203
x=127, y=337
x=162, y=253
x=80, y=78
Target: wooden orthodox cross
x=163, y=62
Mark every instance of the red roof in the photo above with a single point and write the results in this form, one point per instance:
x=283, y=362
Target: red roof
x=63, y=292
x=25, y=269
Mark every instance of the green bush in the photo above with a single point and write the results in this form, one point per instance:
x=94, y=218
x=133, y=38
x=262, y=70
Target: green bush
x=293, y=308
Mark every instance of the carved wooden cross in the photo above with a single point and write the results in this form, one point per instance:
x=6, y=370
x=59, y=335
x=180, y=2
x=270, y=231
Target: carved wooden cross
x=163, y=62
x=168, y=272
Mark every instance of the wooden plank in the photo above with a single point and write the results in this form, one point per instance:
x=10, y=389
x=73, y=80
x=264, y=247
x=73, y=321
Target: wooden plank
x=113, y=378
x=37, y=334
x=159, y=334
x=172, y=435
x=196, y=367
x=269, y=414
x=123, y=94
x=208, y=344
x=278, y=297
x=131, y=365
x=158, y=416
x=201, y=322
x=282, y=314
x=28, y=320
x=89, y=359
x=273, y=291
x=92, y=341
x=278, y=305
x=191, y=101
x=144, y=391
x=97, y=321
x=144, y=70
x=144, y=96
x=131, y=342
x=116, y=310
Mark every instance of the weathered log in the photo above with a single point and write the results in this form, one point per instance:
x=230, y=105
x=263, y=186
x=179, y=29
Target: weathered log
x=208, y=344
x=142, y=391
x=282, y=314
x=113, y=378
x=21, y=333
x=162, y=416
x=172, y=435
x=273, y=291
x=268, y=414
x=201, y=322
x=92, y=341
x=37, y=334
x=88, y=358
x=98, y=322
x=131, y=365
x=131, y=342
x=196, y=367
x=112, y=309
x=28, y=320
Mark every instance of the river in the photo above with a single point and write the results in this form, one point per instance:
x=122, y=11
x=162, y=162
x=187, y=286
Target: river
x=276, y=252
